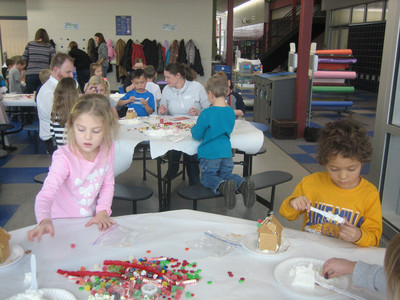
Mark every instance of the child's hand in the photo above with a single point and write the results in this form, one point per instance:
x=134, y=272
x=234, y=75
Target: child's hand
x=193, y=112
x=102, y=220
x=300, y=203
x=132, y=99
x=335, y=267
x=162, y=109
x=144, y=101
x=349, y=232
x=46, y=226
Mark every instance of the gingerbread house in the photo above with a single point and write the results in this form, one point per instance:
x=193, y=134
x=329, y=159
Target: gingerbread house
x=4, y=245
x=131, y=113
x=269, y=234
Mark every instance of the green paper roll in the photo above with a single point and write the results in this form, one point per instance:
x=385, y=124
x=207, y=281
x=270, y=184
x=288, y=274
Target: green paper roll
x=333, y=89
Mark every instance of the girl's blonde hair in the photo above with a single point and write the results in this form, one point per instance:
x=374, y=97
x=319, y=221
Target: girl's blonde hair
x=93, y=67
x=392, y=267
x=98, y=106
x=96, y=80
x=65, y=96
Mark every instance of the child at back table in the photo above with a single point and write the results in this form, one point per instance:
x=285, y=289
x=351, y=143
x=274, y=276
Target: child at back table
x=140, y=99
x=80, y=182
x=151, y=86
x=213, y=128
x=343, y=147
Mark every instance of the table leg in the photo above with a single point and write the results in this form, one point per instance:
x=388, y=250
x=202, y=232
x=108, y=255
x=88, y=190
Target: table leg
x=160, y=185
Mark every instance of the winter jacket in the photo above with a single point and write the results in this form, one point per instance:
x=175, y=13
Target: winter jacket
x=111, y=50
x=182, y=53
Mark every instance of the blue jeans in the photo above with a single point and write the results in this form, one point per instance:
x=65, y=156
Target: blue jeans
x=104, y=69
x=215, y=171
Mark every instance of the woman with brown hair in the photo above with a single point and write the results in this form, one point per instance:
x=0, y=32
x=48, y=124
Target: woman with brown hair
x=102, y=52
x=38, y=54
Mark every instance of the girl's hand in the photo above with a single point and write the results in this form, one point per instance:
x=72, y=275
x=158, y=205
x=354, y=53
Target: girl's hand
x=300, y=203
x=193, y=112
x=162, y=109
x=102, y=220
x=46, y=226
x=335, y=267
x=349, y=232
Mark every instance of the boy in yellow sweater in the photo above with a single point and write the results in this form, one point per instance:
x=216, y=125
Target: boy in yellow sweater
x=343, y=147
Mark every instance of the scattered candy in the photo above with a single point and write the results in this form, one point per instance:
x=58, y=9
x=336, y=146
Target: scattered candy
x=148, y=251
x=73, y=246
x=187, y=249
x=209, y=282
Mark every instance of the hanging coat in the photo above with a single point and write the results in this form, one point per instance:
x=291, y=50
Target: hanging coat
x=190, y=52
x=137, y=52
x=150, y=50
x=119, y=52
x=198, y=67
x=126, y=60
x=160, y=67
x=173, y=56
x=182, y=53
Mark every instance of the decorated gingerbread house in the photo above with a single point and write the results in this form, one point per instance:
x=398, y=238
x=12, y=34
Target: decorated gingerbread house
x=4, y=245
x=269, y=234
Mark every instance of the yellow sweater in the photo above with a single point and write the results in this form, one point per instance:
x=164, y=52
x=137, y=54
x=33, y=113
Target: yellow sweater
x=360, y=206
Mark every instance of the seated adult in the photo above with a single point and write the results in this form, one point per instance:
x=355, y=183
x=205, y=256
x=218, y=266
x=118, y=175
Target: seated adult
x=182, y=96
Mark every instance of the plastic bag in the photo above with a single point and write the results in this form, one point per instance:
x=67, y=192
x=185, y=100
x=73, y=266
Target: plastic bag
x=117, y=236
x=216, y=244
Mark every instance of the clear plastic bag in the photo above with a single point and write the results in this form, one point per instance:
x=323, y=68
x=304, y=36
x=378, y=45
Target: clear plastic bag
x=117, y=236
x=216, y=244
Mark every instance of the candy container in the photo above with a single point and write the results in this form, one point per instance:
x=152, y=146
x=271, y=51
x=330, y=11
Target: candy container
x=150, y=292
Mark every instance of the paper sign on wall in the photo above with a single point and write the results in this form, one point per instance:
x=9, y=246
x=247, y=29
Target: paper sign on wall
x=169, y=27
x=71, y=26
x=123, y=25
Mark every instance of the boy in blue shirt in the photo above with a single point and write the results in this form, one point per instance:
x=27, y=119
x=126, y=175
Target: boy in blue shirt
x=213, y=128
x=140, y=99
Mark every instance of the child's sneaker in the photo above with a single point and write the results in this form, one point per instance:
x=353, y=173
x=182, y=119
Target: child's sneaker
x=228, y=190
x=247, y=189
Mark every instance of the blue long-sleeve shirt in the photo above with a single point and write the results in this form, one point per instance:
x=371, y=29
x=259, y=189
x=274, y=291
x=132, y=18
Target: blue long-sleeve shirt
x=213, y=128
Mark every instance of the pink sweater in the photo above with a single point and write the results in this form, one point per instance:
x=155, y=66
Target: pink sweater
x=76, y=187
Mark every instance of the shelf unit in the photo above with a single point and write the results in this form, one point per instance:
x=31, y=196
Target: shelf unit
x=243, y=83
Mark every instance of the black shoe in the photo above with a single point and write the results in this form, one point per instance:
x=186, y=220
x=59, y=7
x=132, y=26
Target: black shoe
x=247, y=189
x=10, y=148
x=228, y=190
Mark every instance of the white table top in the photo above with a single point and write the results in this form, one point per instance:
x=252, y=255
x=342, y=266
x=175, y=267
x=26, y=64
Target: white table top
x=18, y=100
x=168, y=234
x=244, y=137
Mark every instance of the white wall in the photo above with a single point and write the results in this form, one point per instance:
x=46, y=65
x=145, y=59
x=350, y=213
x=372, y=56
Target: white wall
x=192, y=17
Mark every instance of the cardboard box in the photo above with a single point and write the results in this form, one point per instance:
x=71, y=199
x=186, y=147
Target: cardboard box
x=284, y=129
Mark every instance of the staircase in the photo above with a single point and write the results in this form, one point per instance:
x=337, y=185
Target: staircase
x=274, y=45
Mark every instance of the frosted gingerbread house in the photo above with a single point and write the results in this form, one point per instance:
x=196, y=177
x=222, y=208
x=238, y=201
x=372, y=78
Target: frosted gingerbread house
x=269, y=234
x=4, y=245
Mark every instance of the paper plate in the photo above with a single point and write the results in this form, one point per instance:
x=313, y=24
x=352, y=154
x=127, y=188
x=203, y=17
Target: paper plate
x=129, y=121
x=249, y=242
x=283, y=277
x=158, y=133
x=16, y=253
x=57, y=294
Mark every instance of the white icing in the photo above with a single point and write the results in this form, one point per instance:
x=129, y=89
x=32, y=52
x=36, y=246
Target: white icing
x=29, y=294
x=304, y=276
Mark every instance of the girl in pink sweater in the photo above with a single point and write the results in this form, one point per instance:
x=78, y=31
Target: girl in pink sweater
x=80, y=182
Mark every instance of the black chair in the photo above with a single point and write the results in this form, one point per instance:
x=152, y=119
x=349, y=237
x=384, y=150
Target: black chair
x=3, y=132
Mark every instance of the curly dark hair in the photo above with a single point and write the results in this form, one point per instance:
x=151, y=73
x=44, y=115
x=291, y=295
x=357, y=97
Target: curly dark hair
x=345, y=137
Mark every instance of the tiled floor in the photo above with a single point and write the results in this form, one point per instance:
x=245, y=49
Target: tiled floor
x=18, y=190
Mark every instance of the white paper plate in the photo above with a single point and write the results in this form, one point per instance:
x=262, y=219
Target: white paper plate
x=129, y=121
x=57, y=294
x=16, y=253
x=283, y=277
x=158, y=133
x=249, y=242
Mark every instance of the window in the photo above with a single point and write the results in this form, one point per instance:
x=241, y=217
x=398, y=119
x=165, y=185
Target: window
x=358, y=14
x=341, y=16
x=375, y=11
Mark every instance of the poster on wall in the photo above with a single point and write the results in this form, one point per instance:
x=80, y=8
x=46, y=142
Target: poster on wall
x=123, y=25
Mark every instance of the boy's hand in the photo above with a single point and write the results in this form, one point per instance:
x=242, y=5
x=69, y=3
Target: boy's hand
x=144, y=101
x=300, y=203
x=162, y=109
x=132, y=99
x=102, y=220
x=46, y=226
x=335, y=267
x=349, y=232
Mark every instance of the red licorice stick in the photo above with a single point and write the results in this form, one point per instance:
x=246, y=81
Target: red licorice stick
x=88, y=273
x=132, y=265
